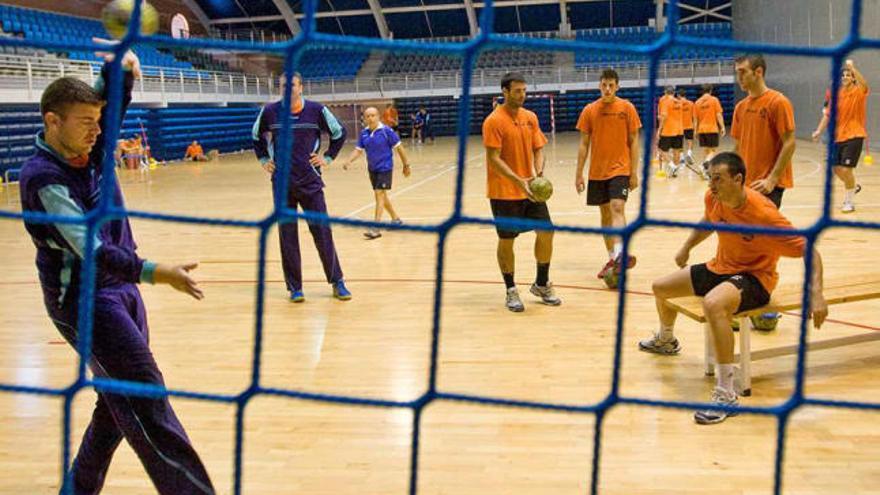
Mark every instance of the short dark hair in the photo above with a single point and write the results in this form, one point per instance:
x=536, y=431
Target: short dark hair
x=510, y=78
x=735, y=164
x=707, y=89
x=682, y=92
x=669, y=90
x=294, y=75
x=610, y=74
x=755, y=60
x=66, y=91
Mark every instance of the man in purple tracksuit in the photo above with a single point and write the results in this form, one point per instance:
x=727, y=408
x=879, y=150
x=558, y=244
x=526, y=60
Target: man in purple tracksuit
x=308, y=119
x=64, y=178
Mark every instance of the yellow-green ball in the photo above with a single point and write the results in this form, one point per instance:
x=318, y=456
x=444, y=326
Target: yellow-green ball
x=117, y=14
x=541, y=189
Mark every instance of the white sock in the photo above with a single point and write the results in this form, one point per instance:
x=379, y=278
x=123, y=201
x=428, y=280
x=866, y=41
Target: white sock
x=849, y=195
x=666, y=333
x=724, y=377
x=618, y=248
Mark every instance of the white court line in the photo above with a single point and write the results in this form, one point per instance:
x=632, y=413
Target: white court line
x=446, y=170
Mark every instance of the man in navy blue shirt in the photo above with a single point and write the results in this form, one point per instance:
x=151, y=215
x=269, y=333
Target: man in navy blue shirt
x=308, y=120
x=379, y=141
x=64, y=178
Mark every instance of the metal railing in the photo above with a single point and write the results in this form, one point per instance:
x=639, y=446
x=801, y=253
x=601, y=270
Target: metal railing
x=22, y=80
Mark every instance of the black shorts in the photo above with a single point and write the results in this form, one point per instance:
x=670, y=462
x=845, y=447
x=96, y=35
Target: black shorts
x=708, y=140
x=517, y=208
x=381, y=180
x=776, y=196
x=847, y=153
x=670, y=142
x=689, y=134
x=600, y=192
x=752, y=293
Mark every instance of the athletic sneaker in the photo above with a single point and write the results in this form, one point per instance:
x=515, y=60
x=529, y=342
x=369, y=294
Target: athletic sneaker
x=847, y=208
x=689, y=158
x=397, y=222
x=297, y=296
x=618, y=262
x=372, y=234
x=713, y=416
x=341, y=292
x=673, y=169
x=514, y=303
x=546, y=294
x=615, y=265
x=658, y=346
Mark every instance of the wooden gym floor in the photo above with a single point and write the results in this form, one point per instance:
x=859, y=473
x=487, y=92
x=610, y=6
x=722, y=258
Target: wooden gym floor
x=378, y=345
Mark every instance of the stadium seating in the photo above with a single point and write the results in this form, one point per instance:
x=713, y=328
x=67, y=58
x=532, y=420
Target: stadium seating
x=46, y=26
x=323, y=64
x=646, y=34
x=404, y=63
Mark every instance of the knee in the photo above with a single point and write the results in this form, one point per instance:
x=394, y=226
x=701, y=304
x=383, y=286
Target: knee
x=544, y=235
x=617, y=208
x=717, y=306
x=660, y=289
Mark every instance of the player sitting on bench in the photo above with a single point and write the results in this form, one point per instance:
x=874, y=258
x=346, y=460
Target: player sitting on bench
x=740, y=277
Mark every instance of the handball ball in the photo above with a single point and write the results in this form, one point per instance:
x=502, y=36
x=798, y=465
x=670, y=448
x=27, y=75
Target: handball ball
x=117, y=14
x=541, y=188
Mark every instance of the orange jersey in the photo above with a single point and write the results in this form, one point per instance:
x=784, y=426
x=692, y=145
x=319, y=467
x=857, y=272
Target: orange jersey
x=706, y=109
x=751, y=253
x=390, y=116
x=517, y=137
x=194, y=150
x=687, y=114
x=609, y=126
x=852, y=115
x=670, y=110
x=758, y=126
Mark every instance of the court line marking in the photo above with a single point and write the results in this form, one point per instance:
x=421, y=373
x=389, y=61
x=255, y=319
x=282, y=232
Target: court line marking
x=410, y=187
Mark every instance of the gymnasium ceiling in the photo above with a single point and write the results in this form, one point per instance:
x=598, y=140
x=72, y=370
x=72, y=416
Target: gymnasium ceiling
x=407, y=19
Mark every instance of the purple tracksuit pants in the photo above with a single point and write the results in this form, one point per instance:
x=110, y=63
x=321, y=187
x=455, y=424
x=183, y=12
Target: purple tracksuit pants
x=311, y=198
x=120, y=350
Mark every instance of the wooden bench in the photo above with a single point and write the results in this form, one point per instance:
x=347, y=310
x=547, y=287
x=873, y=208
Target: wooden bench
x=783, y=299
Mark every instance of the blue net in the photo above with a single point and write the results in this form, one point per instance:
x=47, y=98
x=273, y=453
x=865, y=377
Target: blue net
x=468, y=51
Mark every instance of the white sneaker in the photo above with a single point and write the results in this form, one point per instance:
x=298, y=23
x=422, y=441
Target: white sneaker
x=546, y=293
x=514, y=303
x=848, y=208
x=713, y=416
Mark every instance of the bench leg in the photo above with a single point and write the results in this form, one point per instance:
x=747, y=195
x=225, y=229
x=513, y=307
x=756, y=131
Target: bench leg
x=745, y=357
x=709, y=359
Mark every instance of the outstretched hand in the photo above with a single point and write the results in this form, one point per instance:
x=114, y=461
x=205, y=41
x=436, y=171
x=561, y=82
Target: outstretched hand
x=178, y=276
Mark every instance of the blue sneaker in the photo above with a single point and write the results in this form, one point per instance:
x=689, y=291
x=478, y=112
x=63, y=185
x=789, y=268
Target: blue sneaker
x=341, y=292
x=297, y=296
